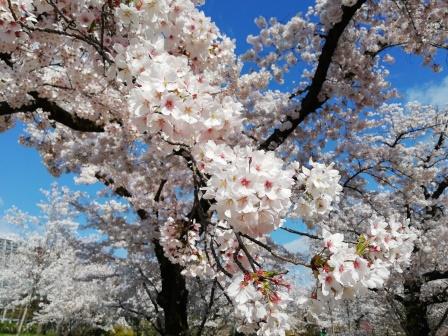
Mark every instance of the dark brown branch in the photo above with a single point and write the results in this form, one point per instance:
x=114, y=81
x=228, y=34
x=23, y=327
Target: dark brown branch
x=275, y=254
x=56, y=112
x=438, y=145
x=208, y=308
x=218, y=262
x=153, y=300
x=159, y=191
x=401, y=136
x=300, y=233
x=5, y=57
x=135, y=312
x=441, y=322
x=440, y=189
x=435, y=275
x=360, y=171
x=251, y=259
x=120, y=191
x=311, y=102
x=235, y=259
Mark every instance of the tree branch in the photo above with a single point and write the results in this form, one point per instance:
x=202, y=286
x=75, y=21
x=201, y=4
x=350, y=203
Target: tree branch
x=440, y=189
x=56, y=112
x=208, y=308
x=300, y=233
x=274, y=253
x=435, y=275
x=311, y=101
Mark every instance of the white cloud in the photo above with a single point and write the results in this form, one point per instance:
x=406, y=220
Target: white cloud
x=301, y=276
x=430, y=93
x=1, y=202
x=300, y=245
x=6, y=229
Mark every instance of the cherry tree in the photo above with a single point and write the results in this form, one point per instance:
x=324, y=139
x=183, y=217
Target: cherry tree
x=53, y=274
x=123, y=243
x=149, y=98
x=75, y=277
x=44, y=242
x=402, y=169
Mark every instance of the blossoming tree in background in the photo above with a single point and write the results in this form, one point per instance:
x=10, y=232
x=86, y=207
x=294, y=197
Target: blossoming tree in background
x=70, y=276
x=409, y=163
x=43, y=276
x=148, y=98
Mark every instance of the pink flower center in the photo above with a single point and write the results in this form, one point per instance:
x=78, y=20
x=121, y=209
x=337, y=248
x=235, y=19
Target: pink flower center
x=268, y=185
x=245, y=182
x=274, y=297
x=169, y=104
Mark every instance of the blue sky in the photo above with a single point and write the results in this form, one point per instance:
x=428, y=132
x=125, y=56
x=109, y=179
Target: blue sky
x=22, y=173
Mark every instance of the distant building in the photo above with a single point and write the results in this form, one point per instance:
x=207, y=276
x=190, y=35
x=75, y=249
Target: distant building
x=7, y=248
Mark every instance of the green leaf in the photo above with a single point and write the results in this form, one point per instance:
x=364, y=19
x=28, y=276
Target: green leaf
x=361, y=245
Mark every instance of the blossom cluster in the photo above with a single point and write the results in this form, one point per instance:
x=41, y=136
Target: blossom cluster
x=260, y=299
x=11, y=32
x=185, y=107
x=330, y=11
x=183, y=29
x=319, y=188
x=228, y=249
x=391, y=240
x=252, y=189
x=183, y=244
x=344, y=271
x=173, y=63
x=179, y=244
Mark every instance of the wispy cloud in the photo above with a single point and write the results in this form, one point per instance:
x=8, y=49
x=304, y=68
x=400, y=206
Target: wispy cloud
x=300, y=245
x=1, y=202
x=430, y=93
x=6, y=229
x=301, y=276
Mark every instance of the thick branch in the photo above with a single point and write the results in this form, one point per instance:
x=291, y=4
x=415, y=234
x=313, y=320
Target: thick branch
x=440, y=189
x=435, y=275
x=5, y=57
x=311, y=101
x=56, y=112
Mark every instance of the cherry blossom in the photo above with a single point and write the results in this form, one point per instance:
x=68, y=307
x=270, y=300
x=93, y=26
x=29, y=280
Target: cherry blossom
x=149, y=99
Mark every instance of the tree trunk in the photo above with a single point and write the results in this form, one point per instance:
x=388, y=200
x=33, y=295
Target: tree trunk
x=416, y=323
x=19, y=329
x=174, y=295
x=4, y=314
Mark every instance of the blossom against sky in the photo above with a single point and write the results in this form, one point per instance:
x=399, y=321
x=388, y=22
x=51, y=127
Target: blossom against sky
x=22, y=173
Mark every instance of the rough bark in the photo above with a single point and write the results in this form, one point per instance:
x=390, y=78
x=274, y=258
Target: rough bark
x=174, y=295
x=416, y=322
x=173, y=298
x=56, y=113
